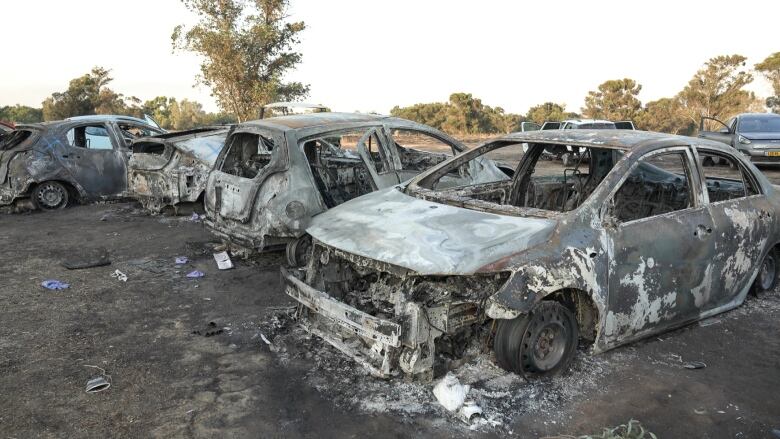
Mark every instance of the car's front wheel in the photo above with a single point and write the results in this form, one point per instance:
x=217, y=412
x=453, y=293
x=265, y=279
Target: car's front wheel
x=50, y=195
x=767, y=273
x=541, y=343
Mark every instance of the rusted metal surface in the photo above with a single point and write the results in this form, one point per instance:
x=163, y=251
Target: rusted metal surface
x=85, y=155
x=625, y=251
x=172, y=169
x=274, y=175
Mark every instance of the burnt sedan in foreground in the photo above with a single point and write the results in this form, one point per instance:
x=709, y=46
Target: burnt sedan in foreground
x=641, y=240
x=275, y=174
x=169, y=171
x=82, y=158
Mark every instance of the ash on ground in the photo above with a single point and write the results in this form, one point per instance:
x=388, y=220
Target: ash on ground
x=503, y=396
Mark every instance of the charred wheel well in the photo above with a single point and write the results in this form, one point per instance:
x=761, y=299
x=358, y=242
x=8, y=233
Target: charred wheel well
x=583, y=307
x=72, y=191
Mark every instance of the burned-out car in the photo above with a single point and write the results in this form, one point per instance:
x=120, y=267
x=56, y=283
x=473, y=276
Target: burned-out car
x=275, y=174
x=82, y=158
x=170, y=170
x=641, y=240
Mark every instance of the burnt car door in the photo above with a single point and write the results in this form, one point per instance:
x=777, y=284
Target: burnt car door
x=741, y=224
x=661, y=241
x=382, y=161
x=713, y=129
x=250, y=155
x=95, y=159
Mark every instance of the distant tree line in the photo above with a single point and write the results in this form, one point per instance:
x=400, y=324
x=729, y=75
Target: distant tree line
x=90, y=94
x=716, y=90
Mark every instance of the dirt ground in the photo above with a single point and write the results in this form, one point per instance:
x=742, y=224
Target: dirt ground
x=173, y=374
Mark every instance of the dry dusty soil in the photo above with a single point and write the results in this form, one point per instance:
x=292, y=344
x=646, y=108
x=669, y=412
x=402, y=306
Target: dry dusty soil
x=174, y=374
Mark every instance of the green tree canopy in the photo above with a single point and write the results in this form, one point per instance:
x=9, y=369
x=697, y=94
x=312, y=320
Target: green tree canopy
x=717, y=89
x=89, y=94
x=462, y=114
x=770, y=68
x=548, y=111
x=665, y=115
x=615, y=99
x=21, y=114
x=182, y=115
x=247, y=49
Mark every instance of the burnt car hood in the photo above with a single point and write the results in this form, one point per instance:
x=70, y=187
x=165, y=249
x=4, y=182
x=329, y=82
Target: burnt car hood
x=425, y=237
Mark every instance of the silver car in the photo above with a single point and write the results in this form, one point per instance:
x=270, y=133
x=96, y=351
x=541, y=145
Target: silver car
x=640, y=240
x=756, y=135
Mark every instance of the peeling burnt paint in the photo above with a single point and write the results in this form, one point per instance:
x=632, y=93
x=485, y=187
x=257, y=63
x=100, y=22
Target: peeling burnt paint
x=38, y=153
x=624, y=275
x=172, y=169
x=274, y=175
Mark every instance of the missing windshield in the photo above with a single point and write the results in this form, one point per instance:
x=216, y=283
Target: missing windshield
x=539, y=184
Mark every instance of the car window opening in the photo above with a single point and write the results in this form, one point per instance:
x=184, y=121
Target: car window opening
x=248, y=154
x=540, y=184
x=339, y=174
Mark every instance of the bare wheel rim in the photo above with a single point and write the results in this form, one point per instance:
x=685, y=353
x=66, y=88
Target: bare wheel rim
x=767, y=273
x=549, y=346
x=50, y=195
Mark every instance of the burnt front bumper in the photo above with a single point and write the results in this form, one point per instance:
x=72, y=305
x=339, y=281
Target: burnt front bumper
x=372, y=342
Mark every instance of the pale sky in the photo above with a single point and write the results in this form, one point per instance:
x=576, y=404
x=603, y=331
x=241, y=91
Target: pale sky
x=370, y=55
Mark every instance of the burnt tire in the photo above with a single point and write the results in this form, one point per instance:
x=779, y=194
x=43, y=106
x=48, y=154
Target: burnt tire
x=768, y=271
x=539, y=344
x=50, y=195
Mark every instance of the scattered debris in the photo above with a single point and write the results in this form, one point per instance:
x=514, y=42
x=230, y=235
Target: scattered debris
x=450, y=392
x=87, y=258
x=195, y=217
x=210, y=330
x=265, y=339
x=694, y=365
x=195, y=274
x=633, y=429
x=223, y=260
x=53, y=284
x=118, y=275
x=97, y=384
x=181, y=260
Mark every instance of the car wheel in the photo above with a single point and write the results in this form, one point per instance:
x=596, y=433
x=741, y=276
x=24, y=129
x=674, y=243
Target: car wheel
x=539, y=344
x=767, y=273
x=297, y=251
x=50, y=195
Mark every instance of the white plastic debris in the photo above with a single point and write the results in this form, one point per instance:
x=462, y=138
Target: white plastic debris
x=265, y=340
x=118, y=275
x=450, y=392
x=470, y=412
x=223, y=260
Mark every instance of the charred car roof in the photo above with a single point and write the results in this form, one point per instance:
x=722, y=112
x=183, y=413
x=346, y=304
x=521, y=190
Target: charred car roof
x=625, y=140
x=311, y=120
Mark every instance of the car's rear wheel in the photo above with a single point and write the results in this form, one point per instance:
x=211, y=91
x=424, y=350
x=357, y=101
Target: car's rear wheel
x=50, y=195
x=539, y=344
x=767, y=273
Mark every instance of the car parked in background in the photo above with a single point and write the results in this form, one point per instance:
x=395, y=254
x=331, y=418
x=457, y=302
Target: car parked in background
x=641, y=240
x=55, y=163
x=275, y=174
x=170, y=170
x=756, y=135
